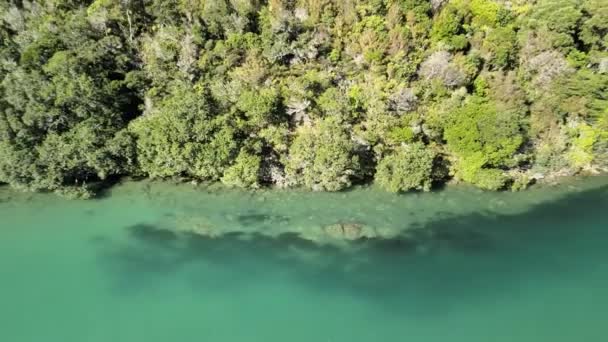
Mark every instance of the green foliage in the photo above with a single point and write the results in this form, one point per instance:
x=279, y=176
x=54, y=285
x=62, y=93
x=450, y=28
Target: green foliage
x=371, y=38
x=400, y=135
x=585, y=137
x=244, y=173
x=594, y=29
x=582, y=94
x=65, y=103
x=486, y=12
x=521, y=182
x=182, y=136
x=501, y=44
x=315, y=93
x=478, y=127
x=322, y=157
x=471, y=170
x=260, y=106
x=408, y=168
x=483, y=139
x=559, y=20
x=448, y=24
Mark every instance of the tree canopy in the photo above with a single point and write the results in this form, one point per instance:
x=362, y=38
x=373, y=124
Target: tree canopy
x=321, y=94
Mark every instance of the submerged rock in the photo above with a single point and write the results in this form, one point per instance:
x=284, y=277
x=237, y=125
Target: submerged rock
x=196, y=224
x=348, y=231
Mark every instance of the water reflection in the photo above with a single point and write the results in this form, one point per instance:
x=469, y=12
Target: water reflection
x=442, y=261
x=150, y=233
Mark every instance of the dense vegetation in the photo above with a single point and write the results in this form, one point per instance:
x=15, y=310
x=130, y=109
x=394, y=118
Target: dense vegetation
x=321, y=94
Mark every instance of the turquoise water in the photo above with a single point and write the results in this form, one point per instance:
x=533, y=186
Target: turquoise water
x=463, y=266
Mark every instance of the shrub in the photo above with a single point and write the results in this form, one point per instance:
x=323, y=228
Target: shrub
x=183, y=137
x=408, y=168
x=244, y=173
x=322, y=157
x=483, y=140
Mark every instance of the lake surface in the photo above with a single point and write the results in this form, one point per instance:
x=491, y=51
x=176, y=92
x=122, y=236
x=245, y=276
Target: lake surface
x=476, y=266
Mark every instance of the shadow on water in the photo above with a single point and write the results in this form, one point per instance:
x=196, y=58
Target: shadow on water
x=252, y=217
x=150, y=233
x=442, y=261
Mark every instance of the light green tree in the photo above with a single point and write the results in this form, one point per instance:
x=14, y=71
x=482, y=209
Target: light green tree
x=409, y=167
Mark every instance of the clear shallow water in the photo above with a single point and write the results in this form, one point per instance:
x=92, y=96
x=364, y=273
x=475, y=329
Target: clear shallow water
x=530, y=266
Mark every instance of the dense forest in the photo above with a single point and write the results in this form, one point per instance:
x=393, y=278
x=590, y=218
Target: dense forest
x=319, y=94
